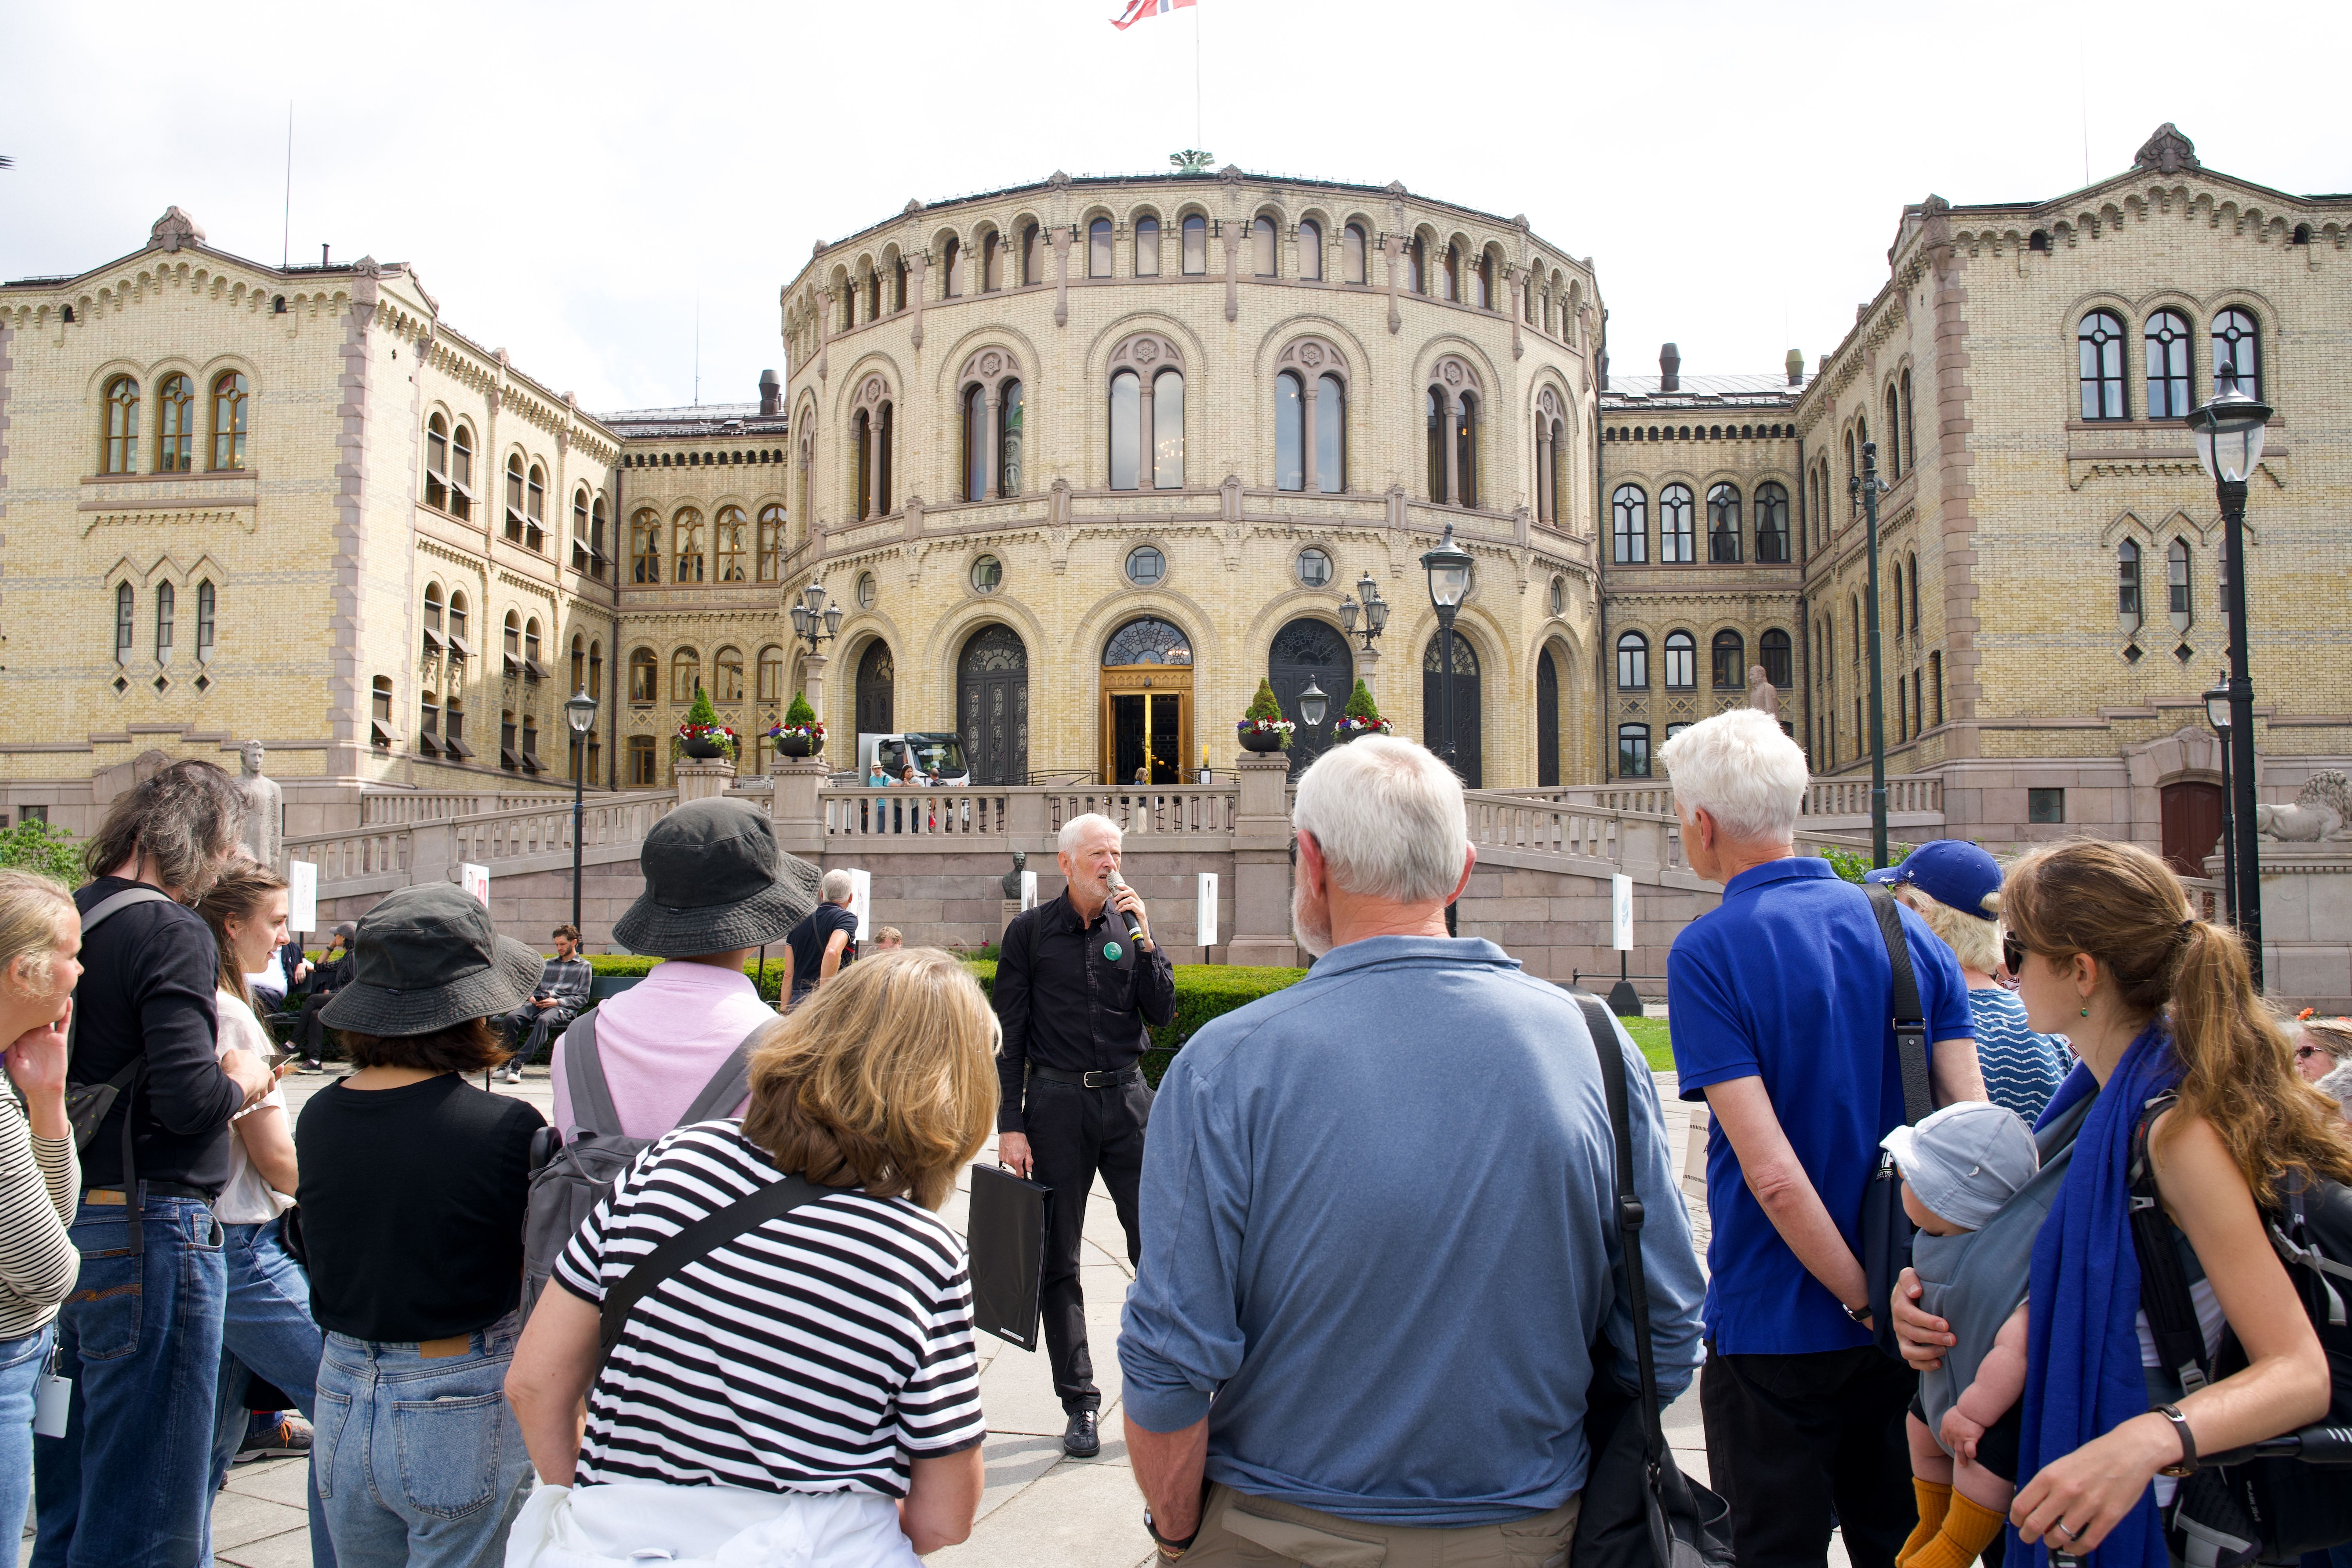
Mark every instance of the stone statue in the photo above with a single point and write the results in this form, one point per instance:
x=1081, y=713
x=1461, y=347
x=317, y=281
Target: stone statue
x=1011, y=881
x=2321, y=810
x=264, y=833
x=1762, y=695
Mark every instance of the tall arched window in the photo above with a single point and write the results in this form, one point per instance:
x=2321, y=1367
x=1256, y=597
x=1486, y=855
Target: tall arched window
x=687, y=548
x=861, y=435
x=461, y=472
x=1894, y=436
x=208, y=621
x=1196, y=246
x=580, y=552
x=1482, y=281
x=1033, y=254
x=1772, y=523
x=1774, y=653
x=899, y=282
x=1416, y=264
x=1289, y=432
x=1352, y=247
x=772, y=545
x=1722, y=523
x=2237, y=350
x=1011, y=415
x=1853, y=474
x=1730, y=661
x=644, y=548
x=2167, y=335
x=1310, y=251
x=460, y=649
x=684, y=675
x=772, y=674
x=1434, y=412
x=1898, y=601
x=975, y=443
x=228, y=420
x=514, y=499
x=579, y=662
x=1330, y=435
x=1677, y=537
x=1098, y=249
x=2127, y=611
x=991, y=262
x=163, y=597
x=1681, y=660
x=644, y=675
x=126, y=621
x=532, y=670
x=534, y=513
x=1910, y=428
x=1167, y=430
x=1454, y=274
x=873, y=295
x=732, y=544
x=1629, y=511
x=121, y=454
x=950, y=273
x=1146, y=246
x=1915, y=593
x=1126, y=428
x=1264, y=262
x=2176, y=557
x=1147, y=415
x=596, y=669
x=514, y=643
x=1632, y=662
x=176, y=426
x=2099, y=342
x=727, y=675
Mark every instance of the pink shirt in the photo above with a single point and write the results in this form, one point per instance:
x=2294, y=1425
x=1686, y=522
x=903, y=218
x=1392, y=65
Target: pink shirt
x=661, y=1040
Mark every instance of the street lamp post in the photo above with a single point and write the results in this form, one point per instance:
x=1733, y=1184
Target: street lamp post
x=1368, y=607
x=580, y=713
x=1867, y=487
x=1313, y=703
x=2228, y=432
x=815, y=624
x=1448, y=566
x=2217, y=713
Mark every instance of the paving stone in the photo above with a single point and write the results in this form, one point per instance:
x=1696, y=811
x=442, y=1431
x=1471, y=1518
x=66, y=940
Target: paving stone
x=239, y=1518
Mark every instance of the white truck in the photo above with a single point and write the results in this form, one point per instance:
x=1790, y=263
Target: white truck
x=937, y=756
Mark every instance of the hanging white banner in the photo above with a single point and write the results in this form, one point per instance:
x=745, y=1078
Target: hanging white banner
x=861, y=901
x=1621, y=913
x=1205, y=922
x=302, y=895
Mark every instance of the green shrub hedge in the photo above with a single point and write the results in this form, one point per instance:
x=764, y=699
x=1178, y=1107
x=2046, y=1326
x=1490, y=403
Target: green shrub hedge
x=1202, y=992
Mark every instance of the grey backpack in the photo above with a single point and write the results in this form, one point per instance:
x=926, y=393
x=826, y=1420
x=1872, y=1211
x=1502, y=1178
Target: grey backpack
x=569, y=1179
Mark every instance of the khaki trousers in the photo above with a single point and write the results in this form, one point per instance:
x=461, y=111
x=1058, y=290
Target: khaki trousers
x=1242, y=1531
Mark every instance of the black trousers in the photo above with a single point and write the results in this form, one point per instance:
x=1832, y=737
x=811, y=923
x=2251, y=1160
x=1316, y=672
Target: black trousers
x=529, y=1030
x=1793, y=1439
x=314, y=1029
x=1075, y=1134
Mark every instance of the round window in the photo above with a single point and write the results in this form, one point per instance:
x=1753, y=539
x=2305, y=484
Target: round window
x=1558, y=595
x=986, y=573
x=1146, y=565
x=1314, y=567
x=866, y=591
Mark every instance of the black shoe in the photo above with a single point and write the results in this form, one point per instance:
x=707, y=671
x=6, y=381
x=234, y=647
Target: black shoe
x=314, y=1067
x=1082, y=1441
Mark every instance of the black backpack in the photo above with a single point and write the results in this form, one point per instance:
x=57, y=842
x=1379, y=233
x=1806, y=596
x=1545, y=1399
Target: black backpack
x=87, y=1105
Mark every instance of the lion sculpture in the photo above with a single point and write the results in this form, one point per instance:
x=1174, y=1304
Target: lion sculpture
x=2323, y=810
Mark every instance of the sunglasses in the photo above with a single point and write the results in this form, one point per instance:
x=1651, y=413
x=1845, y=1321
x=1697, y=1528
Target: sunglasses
x=2013, y=953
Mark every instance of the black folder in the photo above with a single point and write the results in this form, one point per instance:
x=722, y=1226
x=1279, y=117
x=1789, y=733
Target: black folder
x=1007, y=1238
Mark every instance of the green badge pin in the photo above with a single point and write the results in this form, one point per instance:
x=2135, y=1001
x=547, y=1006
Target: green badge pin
x=1110, y=952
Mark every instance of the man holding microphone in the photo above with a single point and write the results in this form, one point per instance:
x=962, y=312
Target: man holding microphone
x=1079, y=981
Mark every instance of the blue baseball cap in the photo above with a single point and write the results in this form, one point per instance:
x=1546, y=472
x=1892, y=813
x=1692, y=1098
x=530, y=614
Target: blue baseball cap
x=1952, y=871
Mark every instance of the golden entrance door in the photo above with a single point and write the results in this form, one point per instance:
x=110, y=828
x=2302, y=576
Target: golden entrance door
x=1146, y=724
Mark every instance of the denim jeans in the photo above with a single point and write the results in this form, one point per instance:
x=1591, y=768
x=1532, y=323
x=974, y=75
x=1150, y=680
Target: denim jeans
x=141, y=1339
x=22, y=1362
x=418, y=1458
x=267, y=1332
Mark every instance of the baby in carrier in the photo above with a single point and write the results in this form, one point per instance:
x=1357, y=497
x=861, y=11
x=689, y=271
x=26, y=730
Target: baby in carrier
x=1959, y=1165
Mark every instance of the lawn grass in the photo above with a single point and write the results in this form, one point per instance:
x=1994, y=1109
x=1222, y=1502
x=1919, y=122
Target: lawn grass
x=1650, y=1033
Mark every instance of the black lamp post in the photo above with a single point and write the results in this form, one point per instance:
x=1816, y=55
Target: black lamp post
x=580, y=713
x=1867, y=487
x=812, y=621
x=2217, y=713
x=1366, y=606
x=2228, y=432
x=1448, y=566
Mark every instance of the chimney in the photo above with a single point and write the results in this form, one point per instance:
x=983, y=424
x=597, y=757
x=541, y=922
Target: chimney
x=772, y=393
x=1796, y=367
x=1670, y=365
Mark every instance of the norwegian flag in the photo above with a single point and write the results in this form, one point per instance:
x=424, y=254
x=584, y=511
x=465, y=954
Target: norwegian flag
x=1136, y=10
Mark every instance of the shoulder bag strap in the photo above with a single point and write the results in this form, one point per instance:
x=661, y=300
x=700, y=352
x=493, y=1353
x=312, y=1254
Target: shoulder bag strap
x=1628, y=1211
x=711, y=1231
x=113, y=904
x=1910, y=1019
x=728, y=1086
x=592, y=1096
x=2163, y=1283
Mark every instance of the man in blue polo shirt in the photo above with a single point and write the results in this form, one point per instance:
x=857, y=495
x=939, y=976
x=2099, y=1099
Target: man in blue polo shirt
x=1783, y=1024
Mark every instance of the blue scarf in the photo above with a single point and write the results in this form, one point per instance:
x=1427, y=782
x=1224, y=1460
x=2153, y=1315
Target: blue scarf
x=2083, y=1377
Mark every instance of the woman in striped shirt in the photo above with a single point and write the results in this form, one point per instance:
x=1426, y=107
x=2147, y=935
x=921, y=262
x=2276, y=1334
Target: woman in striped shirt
x=40, y=933
x=808, y=1384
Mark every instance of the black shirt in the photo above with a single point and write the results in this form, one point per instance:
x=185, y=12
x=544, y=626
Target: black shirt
x=148, y=974
x=808, y=942
x=411, y=1206
x=1074, y=996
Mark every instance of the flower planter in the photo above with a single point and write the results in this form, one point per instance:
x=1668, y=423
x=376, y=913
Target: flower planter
x=799, y=745
x=696, y=746
x=1261, y=740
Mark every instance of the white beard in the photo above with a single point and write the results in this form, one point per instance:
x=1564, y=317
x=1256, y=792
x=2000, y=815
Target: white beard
x=1311, y=932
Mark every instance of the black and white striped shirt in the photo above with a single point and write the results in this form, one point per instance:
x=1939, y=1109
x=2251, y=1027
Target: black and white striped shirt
x=819, y=1352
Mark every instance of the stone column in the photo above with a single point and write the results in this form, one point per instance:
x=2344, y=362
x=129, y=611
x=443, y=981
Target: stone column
x=1395, y=248
x=702, y=778
x=1061, y=236
x=1262, y=864
x=920, y=265
x=797, y=806
x=1543, y=475
x=1517, y=282
x=1233, y=238
x=1449, y=410
x=991, y=481
x=1146, y=453
x=1307, y=431
x=1367, y=662
x=813, y=678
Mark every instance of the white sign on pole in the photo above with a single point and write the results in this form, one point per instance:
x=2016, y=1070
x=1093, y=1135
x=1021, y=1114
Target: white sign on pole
x=861, y=901
x=302, y=895
x=1621, y=913
x=475, y=880
x=1028, y=889
x=1205, y=922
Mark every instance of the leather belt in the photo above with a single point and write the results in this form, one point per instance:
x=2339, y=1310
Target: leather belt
x=154, y=1190
x=1087, y=1080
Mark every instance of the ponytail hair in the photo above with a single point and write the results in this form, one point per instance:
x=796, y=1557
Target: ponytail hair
x=2125, y=907
x=239, y=894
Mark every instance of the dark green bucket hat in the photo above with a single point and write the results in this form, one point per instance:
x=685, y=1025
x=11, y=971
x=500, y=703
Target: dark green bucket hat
x=426, y=958
x=715, y=882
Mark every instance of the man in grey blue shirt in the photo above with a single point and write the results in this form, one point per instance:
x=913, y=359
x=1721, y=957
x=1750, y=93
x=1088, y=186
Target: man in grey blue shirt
x=1377, y=1226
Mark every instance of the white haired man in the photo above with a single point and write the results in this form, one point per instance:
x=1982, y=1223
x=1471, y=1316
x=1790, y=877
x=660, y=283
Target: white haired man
x=1379, y=1230
x=826, y=940
x=1783, y=1024
x=1075, y=998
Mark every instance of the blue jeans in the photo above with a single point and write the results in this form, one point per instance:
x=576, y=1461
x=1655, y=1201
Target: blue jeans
x=419, y=1461
x=22, y=1362
x=141, y=1338
x=267, y=1332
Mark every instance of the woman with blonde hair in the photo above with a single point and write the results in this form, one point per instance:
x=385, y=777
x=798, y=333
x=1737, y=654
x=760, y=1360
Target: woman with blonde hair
x=836, y=1420
x=2162, y=1011
x=40, y=933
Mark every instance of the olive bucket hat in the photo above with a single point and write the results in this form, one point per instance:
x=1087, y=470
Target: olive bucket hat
x=426, y=958
x=715, y=882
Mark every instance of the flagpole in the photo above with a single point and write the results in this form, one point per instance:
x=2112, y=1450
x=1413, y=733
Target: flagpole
x=1196, y=77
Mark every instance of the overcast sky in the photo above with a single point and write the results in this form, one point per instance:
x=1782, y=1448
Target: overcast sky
x=569, y=181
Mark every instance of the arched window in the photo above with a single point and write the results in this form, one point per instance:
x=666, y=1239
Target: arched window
x=1853, y=474
x=514, y=643
x=1330, y=435
x=899, y=282
x=1196, y=246
x=228, y=420
x=1772, y=523
x=1147, y=415
x=534, y=534
x=688, y=549
x=1011, y=415
x=514, y=499
x=1629, y=525
x=1289, y=432
x=461, y=472
x=596, y=669
x=1465, y=450
x=1681, y=660
x=532, y=670
x=176, y=426
x=975, y=443
x=771, y=544
x=1910, y=428
x=579, y=662
x=428, y=724
x=772, y=674
x=644, y=548
x=1454, y=274
x=644, y=770
x=1632, y=662
x=208, y=621
x=2099, y=340
x=580, y=554
x=731, y=543
x=121, y=454
x=1898, y=601
x=1098, y=249
x=991, y=262
x=684, y=675
x=1677, y=538
x=2127, y=610
x=1310, y=251
x=873, y=295
x=2176, y=556
x=644, y=675
x=1264, y=261
x=1729, y=658
x=1126, y=428
x=1434, y=411
x=2237, y=350
x=1033, y=254
x=1482, y=282
x=1915, y=593
x=1632, y=750
x=951, y=275
x=1722, y=523
x=163, y=597
x=727, y=672
x=1146, y=246
x=460, y=650
x=1416, y=265
x=1352, y=247
x=126, y=621
x=2166, y=336
x=1167, y=430
x=1774, y=653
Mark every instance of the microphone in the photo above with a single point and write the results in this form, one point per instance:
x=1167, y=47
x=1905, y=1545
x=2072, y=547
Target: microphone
x=1134, y=926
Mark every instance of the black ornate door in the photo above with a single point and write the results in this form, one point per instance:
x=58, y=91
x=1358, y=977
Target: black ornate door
x=1547, y=721
x=876, y=685
x=1465, y=705
x=992, y=706
x=1310, y=650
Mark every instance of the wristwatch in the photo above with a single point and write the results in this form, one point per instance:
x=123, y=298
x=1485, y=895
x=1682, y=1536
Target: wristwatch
x=1169, y=1550
x=1859, y=1314
x=2188, y=1463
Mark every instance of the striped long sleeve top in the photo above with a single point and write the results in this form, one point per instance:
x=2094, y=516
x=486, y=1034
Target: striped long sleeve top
x=41, y=1180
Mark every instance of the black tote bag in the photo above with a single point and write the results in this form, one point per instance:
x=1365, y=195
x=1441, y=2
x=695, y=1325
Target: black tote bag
x=1885, y=1229
x=1006, y=1236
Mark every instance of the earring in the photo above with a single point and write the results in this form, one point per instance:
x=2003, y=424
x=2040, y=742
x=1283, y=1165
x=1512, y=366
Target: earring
x=2087, y=1012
